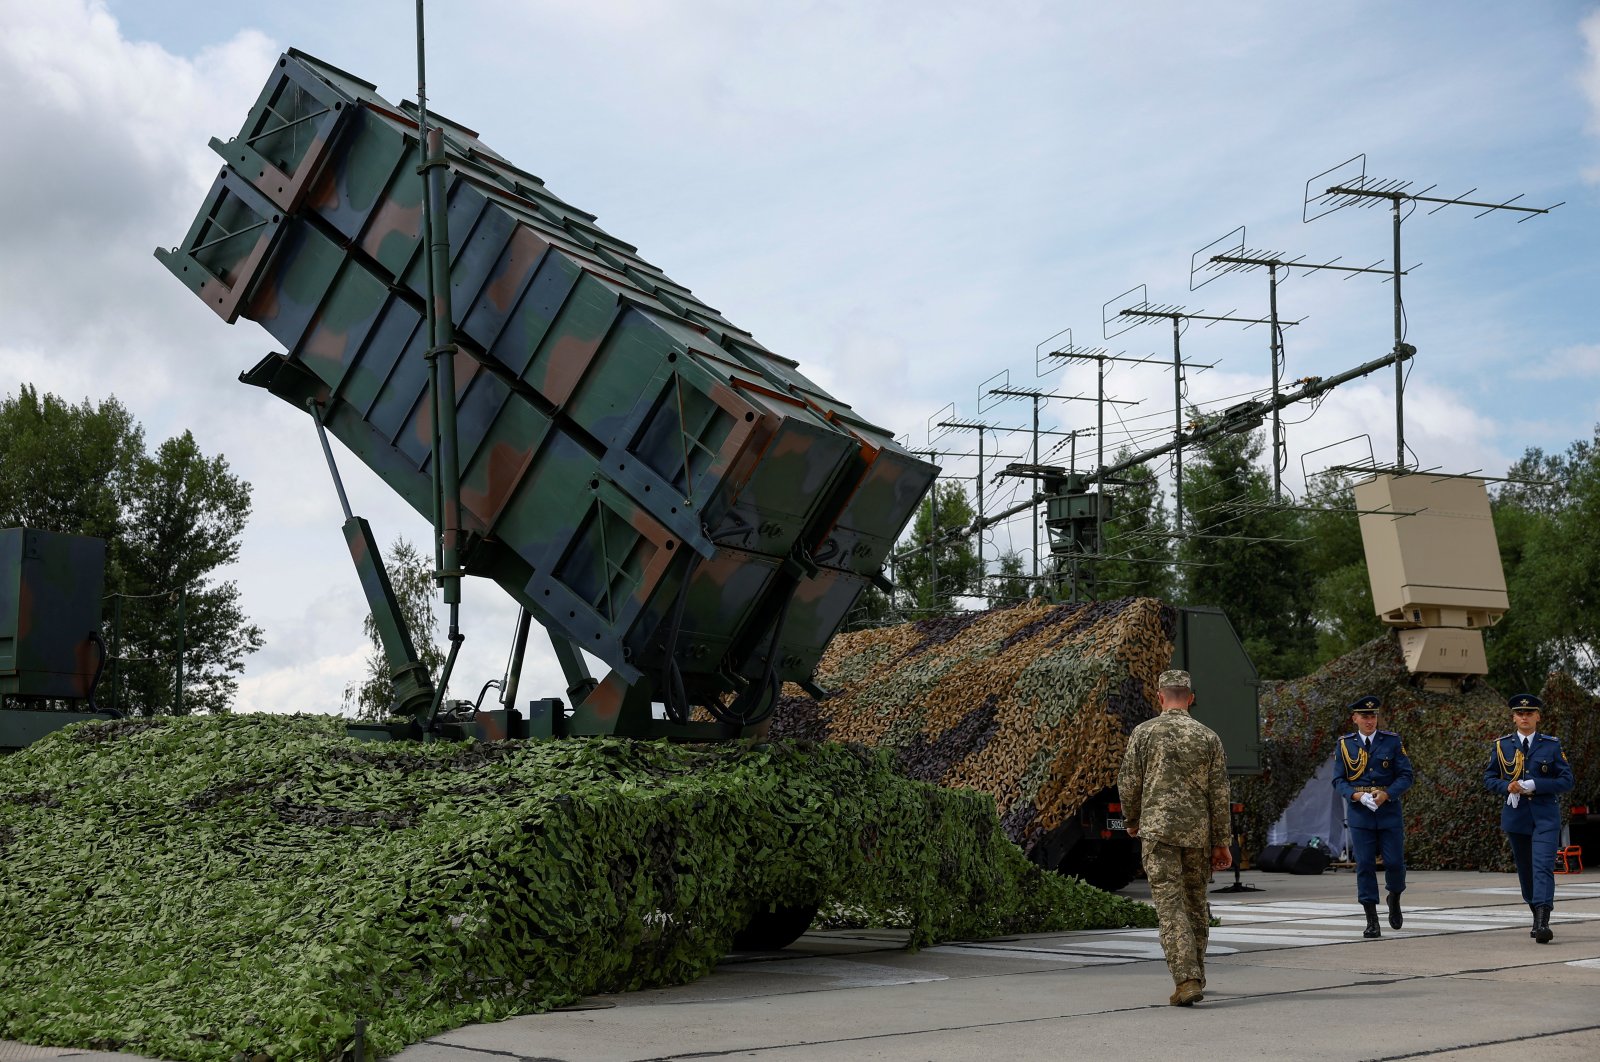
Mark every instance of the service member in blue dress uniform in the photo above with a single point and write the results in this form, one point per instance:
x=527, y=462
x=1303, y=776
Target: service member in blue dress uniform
x=1530, y=771
x=1371, y=770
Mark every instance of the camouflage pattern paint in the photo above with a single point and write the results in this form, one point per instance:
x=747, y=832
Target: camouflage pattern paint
x=621, y=442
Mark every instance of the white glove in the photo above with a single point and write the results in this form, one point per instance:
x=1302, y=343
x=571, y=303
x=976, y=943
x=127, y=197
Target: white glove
x=1527, y=785
x=1370, y=801
x=1513, y=799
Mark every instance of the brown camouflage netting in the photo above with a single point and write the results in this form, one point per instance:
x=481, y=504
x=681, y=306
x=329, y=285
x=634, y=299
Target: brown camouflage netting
x=1032, y=704
x=1452, y=823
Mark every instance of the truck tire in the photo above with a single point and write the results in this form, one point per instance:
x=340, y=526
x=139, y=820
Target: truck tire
x=775, y=929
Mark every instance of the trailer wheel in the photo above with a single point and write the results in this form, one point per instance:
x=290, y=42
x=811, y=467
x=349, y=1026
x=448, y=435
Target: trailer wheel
x=775, y=929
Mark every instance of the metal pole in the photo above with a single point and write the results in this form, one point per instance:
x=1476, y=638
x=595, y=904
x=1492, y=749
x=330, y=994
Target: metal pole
x=933, y=533
x=933, y=554
x=429, y=309
x=1036, y=507
x=1277, y=354
x=1399, y=368
x=1099, y=468
x=177, y=692
x=327, y=452
x=1072, y=441
x=980, y=511
x=1177, y=407
x=116, y=649
x=519, y=649
x=442, y=356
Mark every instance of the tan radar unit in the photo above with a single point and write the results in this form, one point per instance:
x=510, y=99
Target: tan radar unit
x=1434, y=564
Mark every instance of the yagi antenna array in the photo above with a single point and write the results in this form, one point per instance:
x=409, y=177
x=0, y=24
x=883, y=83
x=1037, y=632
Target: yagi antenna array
x=1133, y=308
x=1231, y=254
x=1348, y=184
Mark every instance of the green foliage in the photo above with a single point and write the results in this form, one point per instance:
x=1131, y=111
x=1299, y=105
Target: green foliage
x=170, y=520
x=1140, y=554
x=1552, y=558
x=66, y=468
x=1247, y=559
x=931, y=579
x=1336, y=566
x=1009, y=586
x=199, y=888
x=411, y=579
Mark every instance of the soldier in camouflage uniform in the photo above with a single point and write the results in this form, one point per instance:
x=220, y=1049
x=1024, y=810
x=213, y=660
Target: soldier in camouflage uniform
x=1174, y=789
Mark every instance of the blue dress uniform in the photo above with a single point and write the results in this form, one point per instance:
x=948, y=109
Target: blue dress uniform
x=1534, y=826
x=1356, y=769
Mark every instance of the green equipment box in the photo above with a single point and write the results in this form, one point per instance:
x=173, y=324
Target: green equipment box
x=50, y=588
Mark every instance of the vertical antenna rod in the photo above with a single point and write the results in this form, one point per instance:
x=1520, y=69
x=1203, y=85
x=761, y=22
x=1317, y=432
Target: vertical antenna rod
x=442, y=359
x=1399, y=363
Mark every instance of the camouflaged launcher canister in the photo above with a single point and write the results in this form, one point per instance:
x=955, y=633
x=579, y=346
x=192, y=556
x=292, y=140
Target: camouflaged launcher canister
x=621, y=443
x=1032, y=704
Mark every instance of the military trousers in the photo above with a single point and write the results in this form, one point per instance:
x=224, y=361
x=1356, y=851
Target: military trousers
x=1178, y=878
x=1365, y=845
x=1535, y=856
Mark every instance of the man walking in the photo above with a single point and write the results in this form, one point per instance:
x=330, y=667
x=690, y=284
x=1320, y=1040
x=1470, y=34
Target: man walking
x=1371, y=770
x=1530, y=771
x=1174, y=788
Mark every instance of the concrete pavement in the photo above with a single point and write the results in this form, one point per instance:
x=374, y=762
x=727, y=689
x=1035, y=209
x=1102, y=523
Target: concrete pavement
x=1290, y=978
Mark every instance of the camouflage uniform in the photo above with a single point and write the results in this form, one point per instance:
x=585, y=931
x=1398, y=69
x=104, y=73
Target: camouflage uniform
x=1174, y=788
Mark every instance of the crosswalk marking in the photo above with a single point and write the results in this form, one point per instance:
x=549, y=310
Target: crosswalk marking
x=1564, y=891
x=1262, y=926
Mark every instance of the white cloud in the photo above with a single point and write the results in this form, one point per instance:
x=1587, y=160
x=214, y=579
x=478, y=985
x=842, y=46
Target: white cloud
x=1566, y=363
x=1589, y=77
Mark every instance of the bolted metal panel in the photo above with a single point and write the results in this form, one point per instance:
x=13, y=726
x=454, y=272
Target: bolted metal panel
x=1226, y=685
x=1436, y=561
x=50, y=590
x=626, y=453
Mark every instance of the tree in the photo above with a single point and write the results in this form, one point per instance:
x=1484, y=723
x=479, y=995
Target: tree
x=186, y=515
x=1336, y=566
x=411, y=578
x=170, y=520
x=1523, y=648
x=66, y=468
x=1137, y=546
x=935, y=575
x=1245, y=556
x=1552, y=559
x=1010, y=586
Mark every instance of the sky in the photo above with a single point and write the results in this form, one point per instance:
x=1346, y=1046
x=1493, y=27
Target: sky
x=906, y=197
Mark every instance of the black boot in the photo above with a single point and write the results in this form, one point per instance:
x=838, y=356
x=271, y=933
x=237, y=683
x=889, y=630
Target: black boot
x=1396, y=919
x=1541, y=924
x=1372, y=929
x=1534, y=931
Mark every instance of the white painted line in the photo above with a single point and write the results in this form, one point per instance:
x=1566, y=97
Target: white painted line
x=978, y=951
x=1568, y=892
x=1587, y=964
x=1275, y=933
